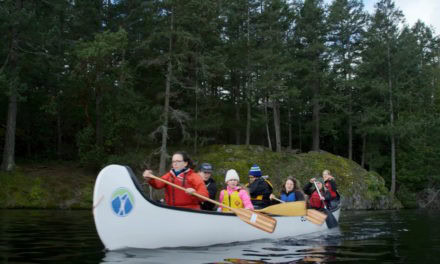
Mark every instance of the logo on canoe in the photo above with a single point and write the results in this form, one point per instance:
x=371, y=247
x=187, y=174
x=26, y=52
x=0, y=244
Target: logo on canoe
x=122, y=202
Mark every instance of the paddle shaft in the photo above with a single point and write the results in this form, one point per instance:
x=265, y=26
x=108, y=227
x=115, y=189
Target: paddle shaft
x=276, y=199
x=319, y=193
x=330, y=220
x=194, y=193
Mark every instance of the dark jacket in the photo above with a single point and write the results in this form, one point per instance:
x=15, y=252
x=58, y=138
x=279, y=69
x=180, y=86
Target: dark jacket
x=212, y=189
x=260, y=191
x=331, y=187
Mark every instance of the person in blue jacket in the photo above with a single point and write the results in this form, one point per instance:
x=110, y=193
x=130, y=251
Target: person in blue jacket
x=291, y=191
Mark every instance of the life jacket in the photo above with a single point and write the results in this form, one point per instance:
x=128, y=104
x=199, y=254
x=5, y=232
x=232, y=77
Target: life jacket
x=232, y=200
x=289, y=197
x=333, y=193
x=315, y=201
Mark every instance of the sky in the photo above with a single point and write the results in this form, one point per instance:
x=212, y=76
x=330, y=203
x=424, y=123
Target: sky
x=428, y=11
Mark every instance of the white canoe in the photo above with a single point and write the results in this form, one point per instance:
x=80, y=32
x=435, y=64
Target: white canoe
x=126, y=218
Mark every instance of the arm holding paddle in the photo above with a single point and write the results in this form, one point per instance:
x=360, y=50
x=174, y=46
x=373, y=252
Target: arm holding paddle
x=331, y=220
x=148, y=175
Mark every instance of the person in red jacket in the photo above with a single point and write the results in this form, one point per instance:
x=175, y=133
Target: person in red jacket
x=315, y=201
x=180, y=174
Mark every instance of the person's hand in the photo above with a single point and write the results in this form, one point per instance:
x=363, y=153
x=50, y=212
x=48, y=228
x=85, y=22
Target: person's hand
x=312, y=180
x=271, y=196
x=147, y=174
x=190, y=190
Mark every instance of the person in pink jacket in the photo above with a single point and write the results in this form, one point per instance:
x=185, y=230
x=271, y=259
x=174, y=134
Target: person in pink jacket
x=234, y=195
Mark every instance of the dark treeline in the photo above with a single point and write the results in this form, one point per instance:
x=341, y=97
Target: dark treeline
x=102, y=80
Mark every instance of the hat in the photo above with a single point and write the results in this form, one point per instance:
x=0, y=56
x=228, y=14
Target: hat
x=231, y=175
x=206, y=167
x=255, y=171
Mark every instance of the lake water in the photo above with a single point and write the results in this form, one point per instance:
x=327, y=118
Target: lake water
x=51, y=236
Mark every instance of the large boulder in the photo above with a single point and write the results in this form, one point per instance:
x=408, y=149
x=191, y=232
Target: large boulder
x=360, y=189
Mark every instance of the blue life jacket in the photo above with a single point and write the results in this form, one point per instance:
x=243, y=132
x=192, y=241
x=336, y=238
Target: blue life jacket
x=290, y=197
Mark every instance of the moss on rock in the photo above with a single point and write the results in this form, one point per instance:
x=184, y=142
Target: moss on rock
x=359, y=188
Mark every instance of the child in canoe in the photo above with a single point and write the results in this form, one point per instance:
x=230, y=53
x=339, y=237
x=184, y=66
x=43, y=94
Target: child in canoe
x=234, y=195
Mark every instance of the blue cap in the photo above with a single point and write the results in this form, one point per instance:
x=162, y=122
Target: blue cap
x=255, y=171
x=206, y=167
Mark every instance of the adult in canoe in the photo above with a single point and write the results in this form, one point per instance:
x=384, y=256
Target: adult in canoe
x=180, y=174
x=205, y=172
x=330, y=184
x=317, y=200
x=290, y=192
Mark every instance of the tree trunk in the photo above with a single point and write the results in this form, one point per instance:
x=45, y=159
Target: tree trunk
x=276, y=121
x=237, y=117
x=166, y=110
x=350, y=120
x=8, y=161
x=315, y=131
x=59, y=134
x=247, y=86
x=98, y=125
x=248, y=122
x=392, y=136
x=196, y=117
x=350, y=133
x=364, y=150
x=269, y=142
x=299, y=133
x=289, y=114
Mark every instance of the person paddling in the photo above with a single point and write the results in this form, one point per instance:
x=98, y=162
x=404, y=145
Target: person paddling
x=290, y=192
x=180, y=174
x=317, y=201
x=234, y=195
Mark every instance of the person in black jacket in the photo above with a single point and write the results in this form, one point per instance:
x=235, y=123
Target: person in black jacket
x=260, y=189
x=205, y=172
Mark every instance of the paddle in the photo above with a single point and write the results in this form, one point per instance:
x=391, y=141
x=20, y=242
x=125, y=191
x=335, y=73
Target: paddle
x=276, y=199
x=330, y=220
x=297, y=208
x=263, y=222
x=316, y=216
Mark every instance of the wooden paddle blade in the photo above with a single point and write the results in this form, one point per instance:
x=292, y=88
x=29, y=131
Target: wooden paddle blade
x=316, y=214
x=255, y=219
x=290, y=209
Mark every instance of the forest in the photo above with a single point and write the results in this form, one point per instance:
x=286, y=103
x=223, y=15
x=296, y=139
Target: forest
x=129, y=81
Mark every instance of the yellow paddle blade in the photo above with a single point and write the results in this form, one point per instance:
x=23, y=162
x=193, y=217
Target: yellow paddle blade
x=258, y=220
x=289, y=209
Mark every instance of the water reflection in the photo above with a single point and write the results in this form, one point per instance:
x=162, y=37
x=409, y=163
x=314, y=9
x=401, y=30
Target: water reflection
x=308, y=249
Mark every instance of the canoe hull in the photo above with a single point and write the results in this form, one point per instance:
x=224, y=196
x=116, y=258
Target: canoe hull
x=124, y=217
